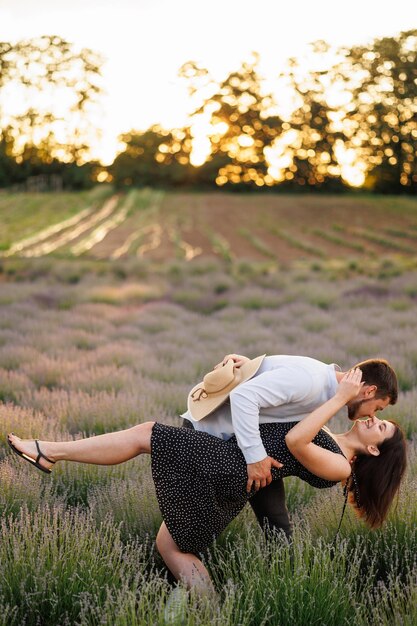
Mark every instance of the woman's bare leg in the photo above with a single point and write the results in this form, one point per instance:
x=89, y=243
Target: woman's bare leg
x=108, y=449
x=184, y=566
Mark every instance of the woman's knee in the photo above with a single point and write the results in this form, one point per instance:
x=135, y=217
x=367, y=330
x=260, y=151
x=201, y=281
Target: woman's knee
x=165, y=543
x=160, y=544
x=141, y=434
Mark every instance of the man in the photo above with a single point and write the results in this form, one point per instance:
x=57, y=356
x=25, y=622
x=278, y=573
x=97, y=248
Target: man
x=241, y=393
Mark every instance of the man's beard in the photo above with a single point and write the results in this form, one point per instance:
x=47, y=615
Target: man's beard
x=353, y=409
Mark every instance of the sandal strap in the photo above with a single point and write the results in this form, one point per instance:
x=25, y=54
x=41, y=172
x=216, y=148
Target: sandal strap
x=41, y=454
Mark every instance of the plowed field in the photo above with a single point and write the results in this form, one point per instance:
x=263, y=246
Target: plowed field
x=161, y=226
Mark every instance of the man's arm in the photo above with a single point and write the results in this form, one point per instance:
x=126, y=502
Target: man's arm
x=274, y=388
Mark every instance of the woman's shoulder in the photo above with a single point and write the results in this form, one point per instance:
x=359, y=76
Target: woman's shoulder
x=326, y=440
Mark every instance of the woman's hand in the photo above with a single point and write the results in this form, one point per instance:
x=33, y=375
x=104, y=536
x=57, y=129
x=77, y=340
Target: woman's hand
x=350, y=385
x=238, y=360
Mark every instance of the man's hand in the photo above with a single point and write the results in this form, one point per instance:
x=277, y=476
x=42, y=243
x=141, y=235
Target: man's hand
x=259, y=473
x=238, y=360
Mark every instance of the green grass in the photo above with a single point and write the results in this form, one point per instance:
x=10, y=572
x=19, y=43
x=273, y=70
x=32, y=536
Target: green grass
x=67, y=566
x=383, y=241
x=257, y=243
x=296, y=242
x=25, y=214
x=221, y=246
x=58, y=559
x=340, y=241
x=402, y=234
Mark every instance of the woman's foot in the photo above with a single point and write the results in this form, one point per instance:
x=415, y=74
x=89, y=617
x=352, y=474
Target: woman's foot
x=32, y=451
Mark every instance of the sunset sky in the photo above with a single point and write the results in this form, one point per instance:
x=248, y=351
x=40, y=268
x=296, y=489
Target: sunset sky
x=146, y=41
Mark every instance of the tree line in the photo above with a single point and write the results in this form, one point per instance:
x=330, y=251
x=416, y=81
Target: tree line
x=48, y=90
x=352, y=121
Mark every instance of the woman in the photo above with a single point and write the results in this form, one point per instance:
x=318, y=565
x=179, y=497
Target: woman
x=200, y=480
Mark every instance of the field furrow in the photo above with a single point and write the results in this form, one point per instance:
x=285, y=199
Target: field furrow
x=102, y=230
x=153, y=241
x=123, y=250
x=387, y=243
x=47, y=233
x=156, y=225
x=125, y=238
x=183, y=249
x=74, y=233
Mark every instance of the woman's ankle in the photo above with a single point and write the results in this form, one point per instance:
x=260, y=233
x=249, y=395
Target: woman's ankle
x=48, y=449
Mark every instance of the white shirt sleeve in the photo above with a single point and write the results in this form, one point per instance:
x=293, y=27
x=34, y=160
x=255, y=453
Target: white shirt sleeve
x=280, y=386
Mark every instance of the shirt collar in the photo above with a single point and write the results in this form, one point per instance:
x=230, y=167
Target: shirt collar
x=333, y=368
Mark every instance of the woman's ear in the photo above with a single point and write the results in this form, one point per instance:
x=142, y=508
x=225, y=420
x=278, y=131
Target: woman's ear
x=373, y=450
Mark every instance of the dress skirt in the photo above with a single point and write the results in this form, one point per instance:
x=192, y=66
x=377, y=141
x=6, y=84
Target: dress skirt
x=200, y=480
x=200, y=484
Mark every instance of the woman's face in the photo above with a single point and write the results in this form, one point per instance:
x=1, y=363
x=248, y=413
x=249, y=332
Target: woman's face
x=373, y=431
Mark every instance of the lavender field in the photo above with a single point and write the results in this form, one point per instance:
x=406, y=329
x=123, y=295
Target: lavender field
x=89, y=346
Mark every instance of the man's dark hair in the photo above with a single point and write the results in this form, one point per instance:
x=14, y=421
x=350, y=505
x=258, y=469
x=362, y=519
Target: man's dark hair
x=380, y=373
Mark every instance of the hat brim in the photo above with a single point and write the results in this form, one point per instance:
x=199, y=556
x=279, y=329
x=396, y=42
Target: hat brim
x=205, y=405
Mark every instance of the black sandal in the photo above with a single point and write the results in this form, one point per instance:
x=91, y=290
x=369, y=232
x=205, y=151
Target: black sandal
x=30, y=460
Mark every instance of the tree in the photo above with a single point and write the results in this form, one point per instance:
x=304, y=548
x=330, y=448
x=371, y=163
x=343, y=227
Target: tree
x=152, y=158
x=354, y=116
x=53, y=89
x=240, y=125
x=10, y=172
x=384, y=110
x=312, y=152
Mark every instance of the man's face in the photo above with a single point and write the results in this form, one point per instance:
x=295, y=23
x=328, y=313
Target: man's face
x=367, y=405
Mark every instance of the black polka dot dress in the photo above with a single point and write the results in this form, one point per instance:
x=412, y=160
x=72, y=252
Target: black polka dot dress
x=200, y=480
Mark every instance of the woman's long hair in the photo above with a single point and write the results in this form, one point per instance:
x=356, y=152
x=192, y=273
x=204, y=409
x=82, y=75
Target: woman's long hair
x=375, y=480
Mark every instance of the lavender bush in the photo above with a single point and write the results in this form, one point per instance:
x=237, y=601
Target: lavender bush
x=116, y=348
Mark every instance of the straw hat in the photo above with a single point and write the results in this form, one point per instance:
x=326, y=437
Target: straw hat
x=205, y=397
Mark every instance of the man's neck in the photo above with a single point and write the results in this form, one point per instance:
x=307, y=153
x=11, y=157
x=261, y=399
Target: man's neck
x=339, y=376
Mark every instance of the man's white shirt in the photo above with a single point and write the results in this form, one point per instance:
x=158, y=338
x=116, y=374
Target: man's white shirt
x=284, y=389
